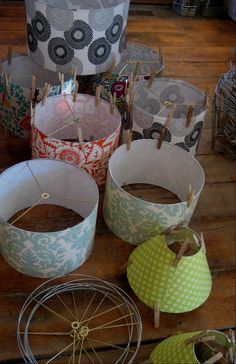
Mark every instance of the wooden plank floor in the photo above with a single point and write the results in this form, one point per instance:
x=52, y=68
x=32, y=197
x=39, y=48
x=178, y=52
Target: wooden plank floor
x=196, y=50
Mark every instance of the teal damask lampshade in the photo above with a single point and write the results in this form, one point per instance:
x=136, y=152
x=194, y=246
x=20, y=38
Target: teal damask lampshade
x=184, y=348
x=50, y=182
x=155, y=279
x=134, y=220
x=16, y=93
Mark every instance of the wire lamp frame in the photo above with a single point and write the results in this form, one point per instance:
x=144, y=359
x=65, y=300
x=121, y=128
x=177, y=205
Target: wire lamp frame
x=80, y=310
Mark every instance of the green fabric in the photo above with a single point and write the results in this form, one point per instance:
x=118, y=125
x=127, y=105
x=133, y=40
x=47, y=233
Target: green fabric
x=174, y=350
x=153, y=277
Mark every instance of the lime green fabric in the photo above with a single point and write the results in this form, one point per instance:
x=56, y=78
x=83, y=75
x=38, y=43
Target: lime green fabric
x=153, y=277
x=174, y=350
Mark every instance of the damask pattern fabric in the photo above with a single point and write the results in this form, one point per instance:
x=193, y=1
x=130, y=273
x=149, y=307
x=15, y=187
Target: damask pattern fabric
x=69, y=32
x=153, y=277
x=134, y=220
x=149, y=113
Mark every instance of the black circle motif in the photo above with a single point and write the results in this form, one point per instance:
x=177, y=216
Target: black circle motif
x=32, y=41
x=79, y=35
x=114, y=31
x=136, y=135
x=99, y=51
x=191, y=139
x=122, y=41
x=41, y=27
x=183, y=146
x=154, y=132
x=59, y=51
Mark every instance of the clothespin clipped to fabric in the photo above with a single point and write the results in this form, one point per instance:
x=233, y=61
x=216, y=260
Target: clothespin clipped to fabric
x=33, y=87
x=1, y=69
x=124, y=268
x=128, y=139
x=6, y=84
x=76, y=87
x=9, y=55
x=131, y=101
x=207, y=97
x=203, y=245
x=157, y=315
x=191, y=193
x=180, y=254
x=214, y=358
x=196, y=337
x=137, y=69
x=75, y=74
x=232, y=344
x=62, y=82
x=204, y=339
x=98, y=94
x=46, y=90
x=80, y=137
x=31, y=114
x=152, y=76
x=189, y=115
x=167, y=124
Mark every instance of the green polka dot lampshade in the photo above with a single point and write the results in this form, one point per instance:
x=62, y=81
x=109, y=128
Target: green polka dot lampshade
x=175, y=350
x=154, y=278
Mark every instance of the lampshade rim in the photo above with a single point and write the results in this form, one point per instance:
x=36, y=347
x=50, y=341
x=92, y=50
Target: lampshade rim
x=77, y=9
x=95, y=207
x=178, y=149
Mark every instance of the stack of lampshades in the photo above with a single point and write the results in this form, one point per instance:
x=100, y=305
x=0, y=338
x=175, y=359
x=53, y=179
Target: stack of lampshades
x=75, y=148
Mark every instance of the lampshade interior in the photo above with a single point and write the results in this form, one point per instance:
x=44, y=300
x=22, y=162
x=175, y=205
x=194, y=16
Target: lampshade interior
x=150, y=100
x=184, y=234
x=59, y=112
x=22, y=68
x=68, y=186
x=169, y=167
x=82, y=4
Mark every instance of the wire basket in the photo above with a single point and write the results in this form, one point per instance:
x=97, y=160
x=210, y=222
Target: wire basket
x=185, y=7
x=212, y=8
x=225, y=113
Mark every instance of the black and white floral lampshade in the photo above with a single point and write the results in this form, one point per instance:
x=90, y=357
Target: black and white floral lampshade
x=84, y=35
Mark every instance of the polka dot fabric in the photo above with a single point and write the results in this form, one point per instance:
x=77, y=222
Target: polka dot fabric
x=153, y=277
x=175, y=350
x=88, y=31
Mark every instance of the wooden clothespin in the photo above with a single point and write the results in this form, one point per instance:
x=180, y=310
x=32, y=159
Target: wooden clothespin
x=156, y=315
x=167, y=125
x=207, y=97
x=124, y=268
x=9, y=55
x=98, y=94
x=196, y=337
x=181, y=252
x=152, y=76
x=76, y=87
x=214, y=358
x=9, y=77
x=131, y=101
x=111, y=103
x=62, y=82
x=31, y=114
x=137, y=69
x=1, y=69
x=161, y=137
x=75, y=74
x=189, y=115
x=204, y=339
x=128, y=139
x=80, y=137
x=6, y=84
x=231, y=350
x=203, y=243
x=191, y=193
x=33, y=87
x=46, y=90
